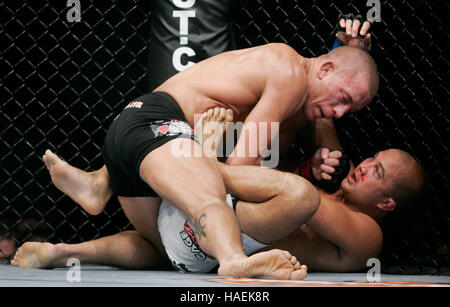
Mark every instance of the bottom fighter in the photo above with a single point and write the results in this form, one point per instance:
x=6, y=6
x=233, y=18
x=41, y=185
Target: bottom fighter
x=274, y=209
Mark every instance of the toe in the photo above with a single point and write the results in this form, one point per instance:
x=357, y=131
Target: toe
x=222, y=114
x=229, y=115
x=47, y=164
x=216, y=113
x=294, y=260
x=287, y=255
x=50, y=158
x=49, y=154
x=204, y=116
x=210, y=113
x=298, y=274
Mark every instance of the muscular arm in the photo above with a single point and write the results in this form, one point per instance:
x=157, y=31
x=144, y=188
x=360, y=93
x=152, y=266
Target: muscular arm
x=257, y=132
x=322, y=133
x=282, y=97
x=356, y=236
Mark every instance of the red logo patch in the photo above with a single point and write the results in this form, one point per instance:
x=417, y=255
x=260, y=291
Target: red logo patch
x=163, y=129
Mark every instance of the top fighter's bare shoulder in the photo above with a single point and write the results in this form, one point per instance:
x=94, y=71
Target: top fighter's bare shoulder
x=285, y=61
x=287, y=77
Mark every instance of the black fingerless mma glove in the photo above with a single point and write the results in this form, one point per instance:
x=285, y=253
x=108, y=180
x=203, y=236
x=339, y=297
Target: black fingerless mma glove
x=340, y=172
x=351, y=16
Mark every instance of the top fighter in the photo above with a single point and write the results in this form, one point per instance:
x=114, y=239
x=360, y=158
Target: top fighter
x=265, y=84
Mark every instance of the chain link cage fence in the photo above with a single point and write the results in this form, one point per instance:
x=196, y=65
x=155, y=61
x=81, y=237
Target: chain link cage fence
x=63, y=83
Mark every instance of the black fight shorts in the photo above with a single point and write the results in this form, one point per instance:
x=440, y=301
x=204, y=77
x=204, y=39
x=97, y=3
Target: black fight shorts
x=144, y=124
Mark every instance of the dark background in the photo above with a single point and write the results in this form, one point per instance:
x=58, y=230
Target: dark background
x=63, y=83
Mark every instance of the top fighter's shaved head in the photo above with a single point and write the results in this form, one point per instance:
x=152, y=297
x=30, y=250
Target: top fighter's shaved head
x=343, y=80
x=356, y=64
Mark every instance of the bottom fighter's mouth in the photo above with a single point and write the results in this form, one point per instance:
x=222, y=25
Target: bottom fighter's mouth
x=319, y=112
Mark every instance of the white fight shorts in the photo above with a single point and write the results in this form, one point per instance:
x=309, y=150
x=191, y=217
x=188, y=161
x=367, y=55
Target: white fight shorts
x=181, y=245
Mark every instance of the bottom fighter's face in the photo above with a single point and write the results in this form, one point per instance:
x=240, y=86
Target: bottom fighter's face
x=372, y=180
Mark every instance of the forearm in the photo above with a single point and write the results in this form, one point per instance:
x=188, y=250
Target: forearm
x=322, y=133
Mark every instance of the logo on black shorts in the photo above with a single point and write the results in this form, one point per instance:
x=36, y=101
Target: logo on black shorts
x=170, y=128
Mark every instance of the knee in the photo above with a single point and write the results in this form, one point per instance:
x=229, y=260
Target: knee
x=303, y=196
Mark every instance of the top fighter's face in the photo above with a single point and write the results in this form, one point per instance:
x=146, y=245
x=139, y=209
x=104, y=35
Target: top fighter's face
x=371, y=183
x=335, y=94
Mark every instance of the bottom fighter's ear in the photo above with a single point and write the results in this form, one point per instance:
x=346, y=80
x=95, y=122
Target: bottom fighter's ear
x=387, y=204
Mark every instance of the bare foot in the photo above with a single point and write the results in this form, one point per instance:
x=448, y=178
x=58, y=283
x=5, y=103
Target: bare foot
x=273, y=264
x=38, y=255
x=210, y=128
x=91, y=190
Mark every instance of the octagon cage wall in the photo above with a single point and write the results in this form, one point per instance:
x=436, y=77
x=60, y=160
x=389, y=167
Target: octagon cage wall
x=63, y=83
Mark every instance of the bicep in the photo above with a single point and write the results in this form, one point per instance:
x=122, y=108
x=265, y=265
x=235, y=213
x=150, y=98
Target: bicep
x=357, y=237
x=280, y=99
x=335, y=223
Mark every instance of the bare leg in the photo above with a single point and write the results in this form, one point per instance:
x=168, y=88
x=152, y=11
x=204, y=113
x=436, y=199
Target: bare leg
x=141, y=249
x=127, y=249
x=276, y=203
x=272, y=203
x=272, y=264
x=91, y=190
x=195, y=186
x=143, y=214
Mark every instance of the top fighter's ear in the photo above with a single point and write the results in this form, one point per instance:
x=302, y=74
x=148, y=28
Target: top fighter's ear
x=326, y=68
x=387, y=204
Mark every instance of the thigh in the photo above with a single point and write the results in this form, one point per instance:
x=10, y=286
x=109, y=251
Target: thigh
x=186, y=180
x=143, y=215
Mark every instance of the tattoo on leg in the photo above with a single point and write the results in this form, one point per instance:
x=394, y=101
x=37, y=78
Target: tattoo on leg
x=199, y=228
